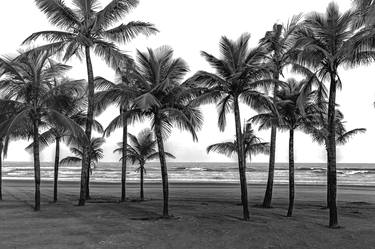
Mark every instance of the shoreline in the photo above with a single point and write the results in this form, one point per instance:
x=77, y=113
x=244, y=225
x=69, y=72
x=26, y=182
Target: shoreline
x=190, y=183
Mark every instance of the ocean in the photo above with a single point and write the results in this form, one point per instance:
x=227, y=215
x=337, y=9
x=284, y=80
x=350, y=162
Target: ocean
x=305, y=173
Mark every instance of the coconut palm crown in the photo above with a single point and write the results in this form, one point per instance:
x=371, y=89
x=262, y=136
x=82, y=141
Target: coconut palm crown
x=96, y=153
x=142, y=148
x=253, y=144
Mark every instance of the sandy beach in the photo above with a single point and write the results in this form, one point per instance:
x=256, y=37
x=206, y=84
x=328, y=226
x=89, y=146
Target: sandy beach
x=205, y=216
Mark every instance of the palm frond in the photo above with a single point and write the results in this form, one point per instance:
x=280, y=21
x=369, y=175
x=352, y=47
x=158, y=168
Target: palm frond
x=227, y=148
x=114, y=11
x=58, y=13
x=126, y=32
x=70, y=160
x=344, y=138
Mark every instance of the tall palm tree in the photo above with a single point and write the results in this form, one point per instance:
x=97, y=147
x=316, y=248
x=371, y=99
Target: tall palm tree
x=165, y=101
x=280, y=43
x=330, y=41
x=142, y=148
x=96, y=152
x=239, y=74
x=84, y=29
x=120, y=94
x=28, y=86
x=57, y=135
x=295, y=108
x=253, y=145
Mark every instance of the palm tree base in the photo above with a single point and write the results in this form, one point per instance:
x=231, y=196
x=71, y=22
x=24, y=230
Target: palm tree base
x=169, y=217
x=336, y=226
x=81, y=202
x=265, y=206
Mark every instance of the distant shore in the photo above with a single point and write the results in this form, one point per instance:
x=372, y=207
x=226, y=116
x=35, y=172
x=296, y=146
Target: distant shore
x=199, y=183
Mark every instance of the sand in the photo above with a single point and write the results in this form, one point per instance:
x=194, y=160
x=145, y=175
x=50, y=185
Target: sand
x=206, y=216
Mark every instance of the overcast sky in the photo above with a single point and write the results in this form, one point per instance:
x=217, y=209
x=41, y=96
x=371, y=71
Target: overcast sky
x=195, y=25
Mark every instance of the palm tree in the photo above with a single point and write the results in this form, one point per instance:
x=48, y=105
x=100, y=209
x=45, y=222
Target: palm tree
x=280, y=43
x=120, y=94
x=319, y=132
x=330, y=41
x=57, y=135
x=295, y=108
x=239, y=74
x=165, y=101
x=253, y=145
x=96, y=153
x=87, y=28
x=142, y=148
x=28, y=87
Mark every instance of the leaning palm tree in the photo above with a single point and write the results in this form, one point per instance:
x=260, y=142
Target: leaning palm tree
x=27, y=85
x=84, y=29
x=295, y=108
x=142, y=148
x=120, y=93
x=96, y=153
x=165, y=101
x=329, y=41
x=239, y=74
x=253, y=145
x=280, y=44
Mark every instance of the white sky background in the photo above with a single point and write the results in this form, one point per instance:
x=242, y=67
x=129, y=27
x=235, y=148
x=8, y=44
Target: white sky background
x=189, y=27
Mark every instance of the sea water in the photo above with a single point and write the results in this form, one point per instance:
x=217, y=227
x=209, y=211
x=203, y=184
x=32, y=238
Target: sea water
x=203, y=172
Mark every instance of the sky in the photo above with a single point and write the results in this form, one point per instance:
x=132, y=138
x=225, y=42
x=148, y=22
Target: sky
x=190, y=27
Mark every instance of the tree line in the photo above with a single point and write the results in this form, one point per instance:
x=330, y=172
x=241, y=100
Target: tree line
x=39, y=103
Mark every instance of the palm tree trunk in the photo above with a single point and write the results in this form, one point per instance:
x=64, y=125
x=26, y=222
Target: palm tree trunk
x=1, y=167
x=271, y=170
x=88, y=183
x=241, y=160
x=56, y=170
x=123, y=162
x=36, y=164
x=271, y=166
x=89, y=122
x=327, y=204
x=332, y=180
x=141, y=193
x=163, y=166
x=291, y=172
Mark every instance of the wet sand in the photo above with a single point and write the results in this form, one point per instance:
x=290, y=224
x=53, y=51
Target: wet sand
x=205, y=216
